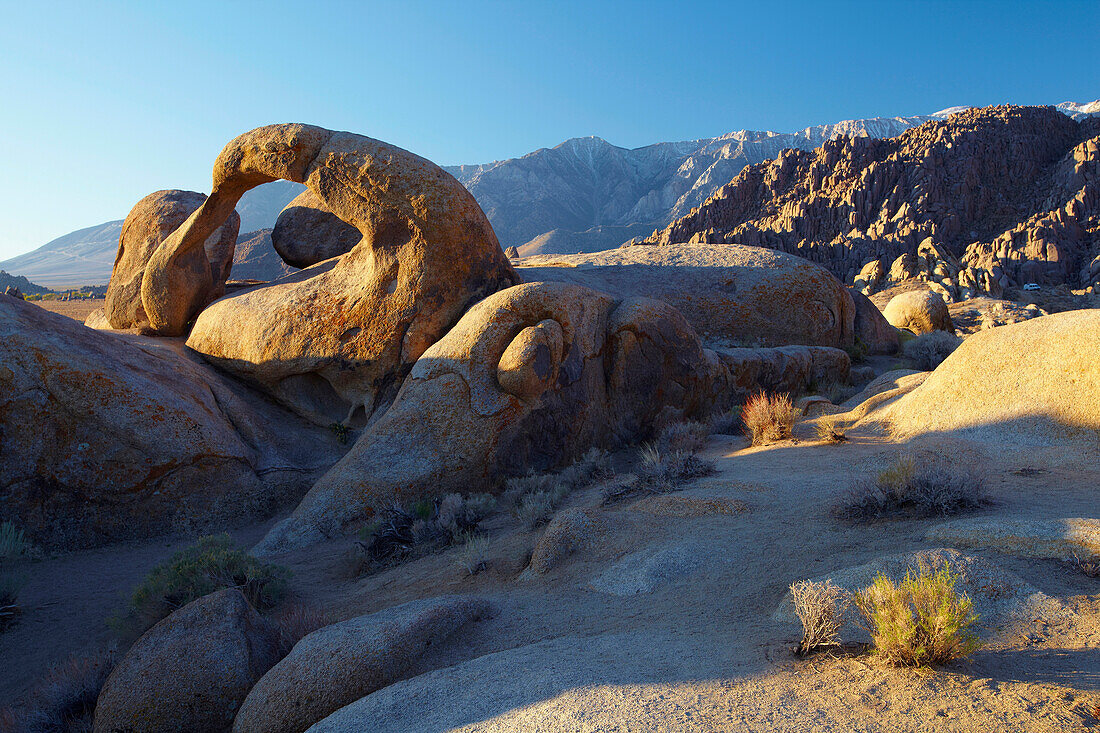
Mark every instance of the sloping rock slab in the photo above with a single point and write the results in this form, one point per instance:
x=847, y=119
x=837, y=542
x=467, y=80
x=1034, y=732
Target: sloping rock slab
x=1001, y=599
x=650, y=569
x=341, y=663
x=1059, y=539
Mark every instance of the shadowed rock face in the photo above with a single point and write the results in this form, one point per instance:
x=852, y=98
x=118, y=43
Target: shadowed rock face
x=106, y=437
x=307, y=232
x=148, y=224
x=529, y=378
x=343, y=334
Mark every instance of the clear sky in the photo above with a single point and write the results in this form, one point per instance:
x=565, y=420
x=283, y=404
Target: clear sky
x=105, y=102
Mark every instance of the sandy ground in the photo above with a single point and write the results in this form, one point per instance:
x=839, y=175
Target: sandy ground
x=701, y=653
x=78, y=310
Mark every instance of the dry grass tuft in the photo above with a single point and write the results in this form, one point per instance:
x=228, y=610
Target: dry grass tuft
x=683, y=437
x=64, y=699
x=473, y=554
x=909, y=489
x=13, y=544
x=930, y=349
x=920, y=621
x=821, y=608
x=297, y=621
x=769, y=418
x=534, y=498
x=828, y=431
x=1090, y=566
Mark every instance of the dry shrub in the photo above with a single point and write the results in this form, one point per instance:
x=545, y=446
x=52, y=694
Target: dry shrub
x=535, y=497
x=659, y=473
x=473, y=554
x=828, y=430
x=12, y=542
x=769, y=418
x=930, y=349
x=64, y=699
x=10, y=585
x=211, y=564
x=399, y=533
x=725, y=423
x=821, y=608
x=920, y=621
x=1090, y=566
x=683, y=437
x=909, y=489
x=297, y=621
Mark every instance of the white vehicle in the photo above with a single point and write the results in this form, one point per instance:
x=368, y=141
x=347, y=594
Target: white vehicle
x=1031, y=286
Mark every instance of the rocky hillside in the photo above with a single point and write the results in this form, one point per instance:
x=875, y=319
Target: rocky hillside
x=21, y=284
x=986, y=199
x=588, y=183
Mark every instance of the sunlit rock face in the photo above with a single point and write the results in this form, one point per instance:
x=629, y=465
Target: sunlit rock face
x=529, y=379
x=148, y=224
x=335, y=341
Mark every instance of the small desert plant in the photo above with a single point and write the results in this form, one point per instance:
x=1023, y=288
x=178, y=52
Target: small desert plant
x=684, y=437
x=211, y=564
x=907, y=488
x=1090, y=566
x=659, y=469
x=398, y=534
x=12, y=542
x=858, y=351
x=725, y=423
x=341, y=431
x=473, y=553
x=920, y=621
x=297, y=621
x=821, y=608
x=829, y=431
x=10, y=585
x=930, y=349
x=769, y=418
x=64, y=699
x=534, y=498
x=536, y=508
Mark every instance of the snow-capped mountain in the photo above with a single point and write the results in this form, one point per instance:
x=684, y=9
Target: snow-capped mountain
x=582, y=195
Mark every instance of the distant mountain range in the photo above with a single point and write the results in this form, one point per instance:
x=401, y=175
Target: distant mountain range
x=583, y=195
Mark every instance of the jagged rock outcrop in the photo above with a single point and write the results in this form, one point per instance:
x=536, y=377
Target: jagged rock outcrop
x=1001, y=196
x=13, y=292
x=306, y=232
x=191, y=671
x=147, y=225
x=106, y=437
x=338, y=338
x=732, y=296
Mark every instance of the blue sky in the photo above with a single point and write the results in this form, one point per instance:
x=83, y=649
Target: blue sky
x=105, y=102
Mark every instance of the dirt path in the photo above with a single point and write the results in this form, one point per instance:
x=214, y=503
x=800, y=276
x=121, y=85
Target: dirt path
x=700, y=653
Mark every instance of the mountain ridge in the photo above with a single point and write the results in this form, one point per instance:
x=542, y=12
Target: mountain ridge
x=579, y=195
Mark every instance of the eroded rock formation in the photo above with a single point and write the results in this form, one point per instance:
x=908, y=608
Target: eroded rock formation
x=529, y=379
x=105, y=437
x=148, y=224
x=341, y=335
x=1006, y=195
x=732, y=296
